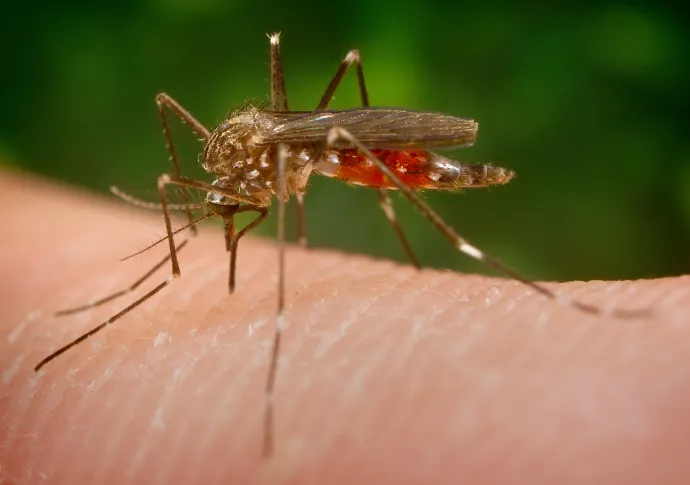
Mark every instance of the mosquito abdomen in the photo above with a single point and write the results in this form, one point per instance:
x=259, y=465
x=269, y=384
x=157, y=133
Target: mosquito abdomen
x=418, y=169
x=449, y=174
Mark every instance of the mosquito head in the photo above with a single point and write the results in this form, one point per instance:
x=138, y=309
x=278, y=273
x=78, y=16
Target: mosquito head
x=233, y=141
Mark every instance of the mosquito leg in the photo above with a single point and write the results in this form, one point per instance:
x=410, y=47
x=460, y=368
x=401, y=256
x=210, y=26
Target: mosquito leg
x=263, y=212
x=387, y=207
x=162, y=100
x=275, y=352
x=301, y=232
x=115, y=317
x=338, y=133
x=351, y=58
x=299, y=195
x=278, y=96
x=136, y=284
x=229, y=233
x=279, y=103
x=120, y=293
x=169, y=179
x=232, y=239
x=163, y=181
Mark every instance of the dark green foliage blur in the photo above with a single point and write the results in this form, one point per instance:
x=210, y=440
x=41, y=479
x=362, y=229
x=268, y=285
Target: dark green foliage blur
x=589, y=104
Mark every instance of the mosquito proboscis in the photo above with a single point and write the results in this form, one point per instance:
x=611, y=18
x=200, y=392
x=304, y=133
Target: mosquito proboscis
x=257, y=154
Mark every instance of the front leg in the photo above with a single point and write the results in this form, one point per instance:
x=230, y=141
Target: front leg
x=162, y=101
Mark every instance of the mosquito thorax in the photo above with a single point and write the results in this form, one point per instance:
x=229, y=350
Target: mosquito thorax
x=234, y=154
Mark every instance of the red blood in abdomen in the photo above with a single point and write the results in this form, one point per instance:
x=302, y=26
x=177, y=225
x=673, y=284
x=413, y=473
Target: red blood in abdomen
x=410, y=166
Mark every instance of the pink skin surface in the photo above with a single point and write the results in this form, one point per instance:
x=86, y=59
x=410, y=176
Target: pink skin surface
x=387, y=375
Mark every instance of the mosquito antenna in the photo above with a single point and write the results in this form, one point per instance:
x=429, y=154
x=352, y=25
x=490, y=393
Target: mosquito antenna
x=130, y=199
x=175, y=232
x=461, y=244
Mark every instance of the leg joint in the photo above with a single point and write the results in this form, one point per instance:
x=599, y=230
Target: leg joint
x=352, y=57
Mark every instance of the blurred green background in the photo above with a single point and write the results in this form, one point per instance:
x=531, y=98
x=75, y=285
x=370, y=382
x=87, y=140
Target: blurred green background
x=588, y=103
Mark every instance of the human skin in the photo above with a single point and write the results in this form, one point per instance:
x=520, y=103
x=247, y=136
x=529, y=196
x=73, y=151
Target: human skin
x=387, y=374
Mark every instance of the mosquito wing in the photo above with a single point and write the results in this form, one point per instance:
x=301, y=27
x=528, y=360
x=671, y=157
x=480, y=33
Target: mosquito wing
x=375, y=127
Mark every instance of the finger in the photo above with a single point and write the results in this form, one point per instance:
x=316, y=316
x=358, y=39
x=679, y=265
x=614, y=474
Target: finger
x=387, y=374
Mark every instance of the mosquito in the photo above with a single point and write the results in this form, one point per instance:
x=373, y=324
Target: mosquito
x=257, y=154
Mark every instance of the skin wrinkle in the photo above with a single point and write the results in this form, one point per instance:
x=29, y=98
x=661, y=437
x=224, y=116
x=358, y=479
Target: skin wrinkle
x=158, y=420
x=100, y=417
x=363, y=305
x=338, y=279
x=398, y=311
x=186, y=473
x=76, y=421
x=43, y=430
x=673, y=297
x=42, y=410
x=250, y=283
x=70, y=474
x=416, y=328
x=235, y=373
x=334, y=271
x=147, y=413
x=207, y=436
x=193, y=286
x=17, y=331
x=292, y=300
x=130, y=409
x=381, y=354
x=165, y=467
x=444, y=313
x=448, y=290
x=369, y=302
x=435, y=312
x=353, y=394
x=374, y=357
x=182, y=427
